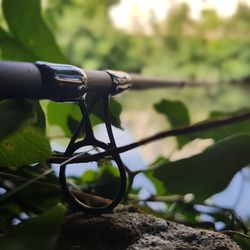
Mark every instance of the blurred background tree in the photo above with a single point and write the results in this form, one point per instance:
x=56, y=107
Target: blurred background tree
x=212, y=48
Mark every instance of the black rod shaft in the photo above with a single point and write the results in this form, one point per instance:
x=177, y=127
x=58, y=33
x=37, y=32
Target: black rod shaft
x=59, y=82
x=19, y=80
x=139, y=82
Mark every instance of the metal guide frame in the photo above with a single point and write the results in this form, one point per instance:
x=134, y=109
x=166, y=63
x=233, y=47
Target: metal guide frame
x=90, y=140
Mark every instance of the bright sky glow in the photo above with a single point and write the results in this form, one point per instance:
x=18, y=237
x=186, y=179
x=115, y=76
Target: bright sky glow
x=224, y=8
x=130, y=12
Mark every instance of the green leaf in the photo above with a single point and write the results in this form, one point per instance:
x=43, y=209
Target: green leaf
x=26, y=24
x=27, y=145
x=242, y=127
x=243, y=242
x=159, y=187
x=26, y=187
x=209, y=172
x=13, y=114
x=8, y=212
x=39, y=233
x=40, y=116
x=65, y=115
x=175, y=111
x=184, y=212
x=105, y=181
x=177, y=115
x=89, y=176
x=11, y=49
x=22, y=135
x=115, y=109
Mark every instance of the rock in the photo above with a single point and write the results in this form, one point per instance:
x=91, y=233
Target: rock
x=134, y=230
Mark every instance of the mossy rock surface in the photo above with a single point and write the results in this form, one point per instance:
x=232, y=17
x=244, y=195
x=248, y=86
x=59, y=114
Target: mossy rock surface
x=134, y=230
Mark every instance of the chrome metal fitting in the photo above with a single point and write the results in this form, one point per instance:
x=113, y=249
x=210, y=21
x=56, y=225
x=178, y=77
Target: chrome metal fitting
x=121, y=81
x=62, y=82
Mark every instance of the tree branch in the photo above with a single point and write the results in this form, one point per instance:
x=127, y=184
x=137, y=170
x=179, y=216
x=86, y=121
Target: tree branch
x=198, y=127
x=232, y=232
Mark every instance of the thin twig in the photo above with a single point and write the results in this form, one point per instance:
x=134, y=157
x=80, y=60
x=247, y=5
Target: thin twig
x=201, y=126
x=153, y=198
x=82, y=196
x=23, y=186
x=232, y=232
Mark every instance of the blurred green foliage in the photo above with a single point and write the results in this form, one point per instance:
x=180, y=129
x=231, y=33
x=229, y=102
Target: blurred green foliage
x=212, y=49
x=209, y=49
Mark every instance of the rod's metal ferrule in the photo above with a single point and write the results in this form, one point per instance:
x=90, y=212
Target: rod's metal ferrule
x=62, y=82
x=121, y=81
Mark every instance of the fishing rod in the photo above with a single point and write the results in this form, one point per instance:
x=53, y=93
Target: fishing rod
x=67, y=83
x=62, y=83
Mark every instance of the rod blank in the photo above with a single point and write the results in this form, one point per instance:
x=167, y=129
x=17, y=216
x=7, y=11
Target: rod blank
x=19, y=80
x=139, y=82
x=63, y=83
